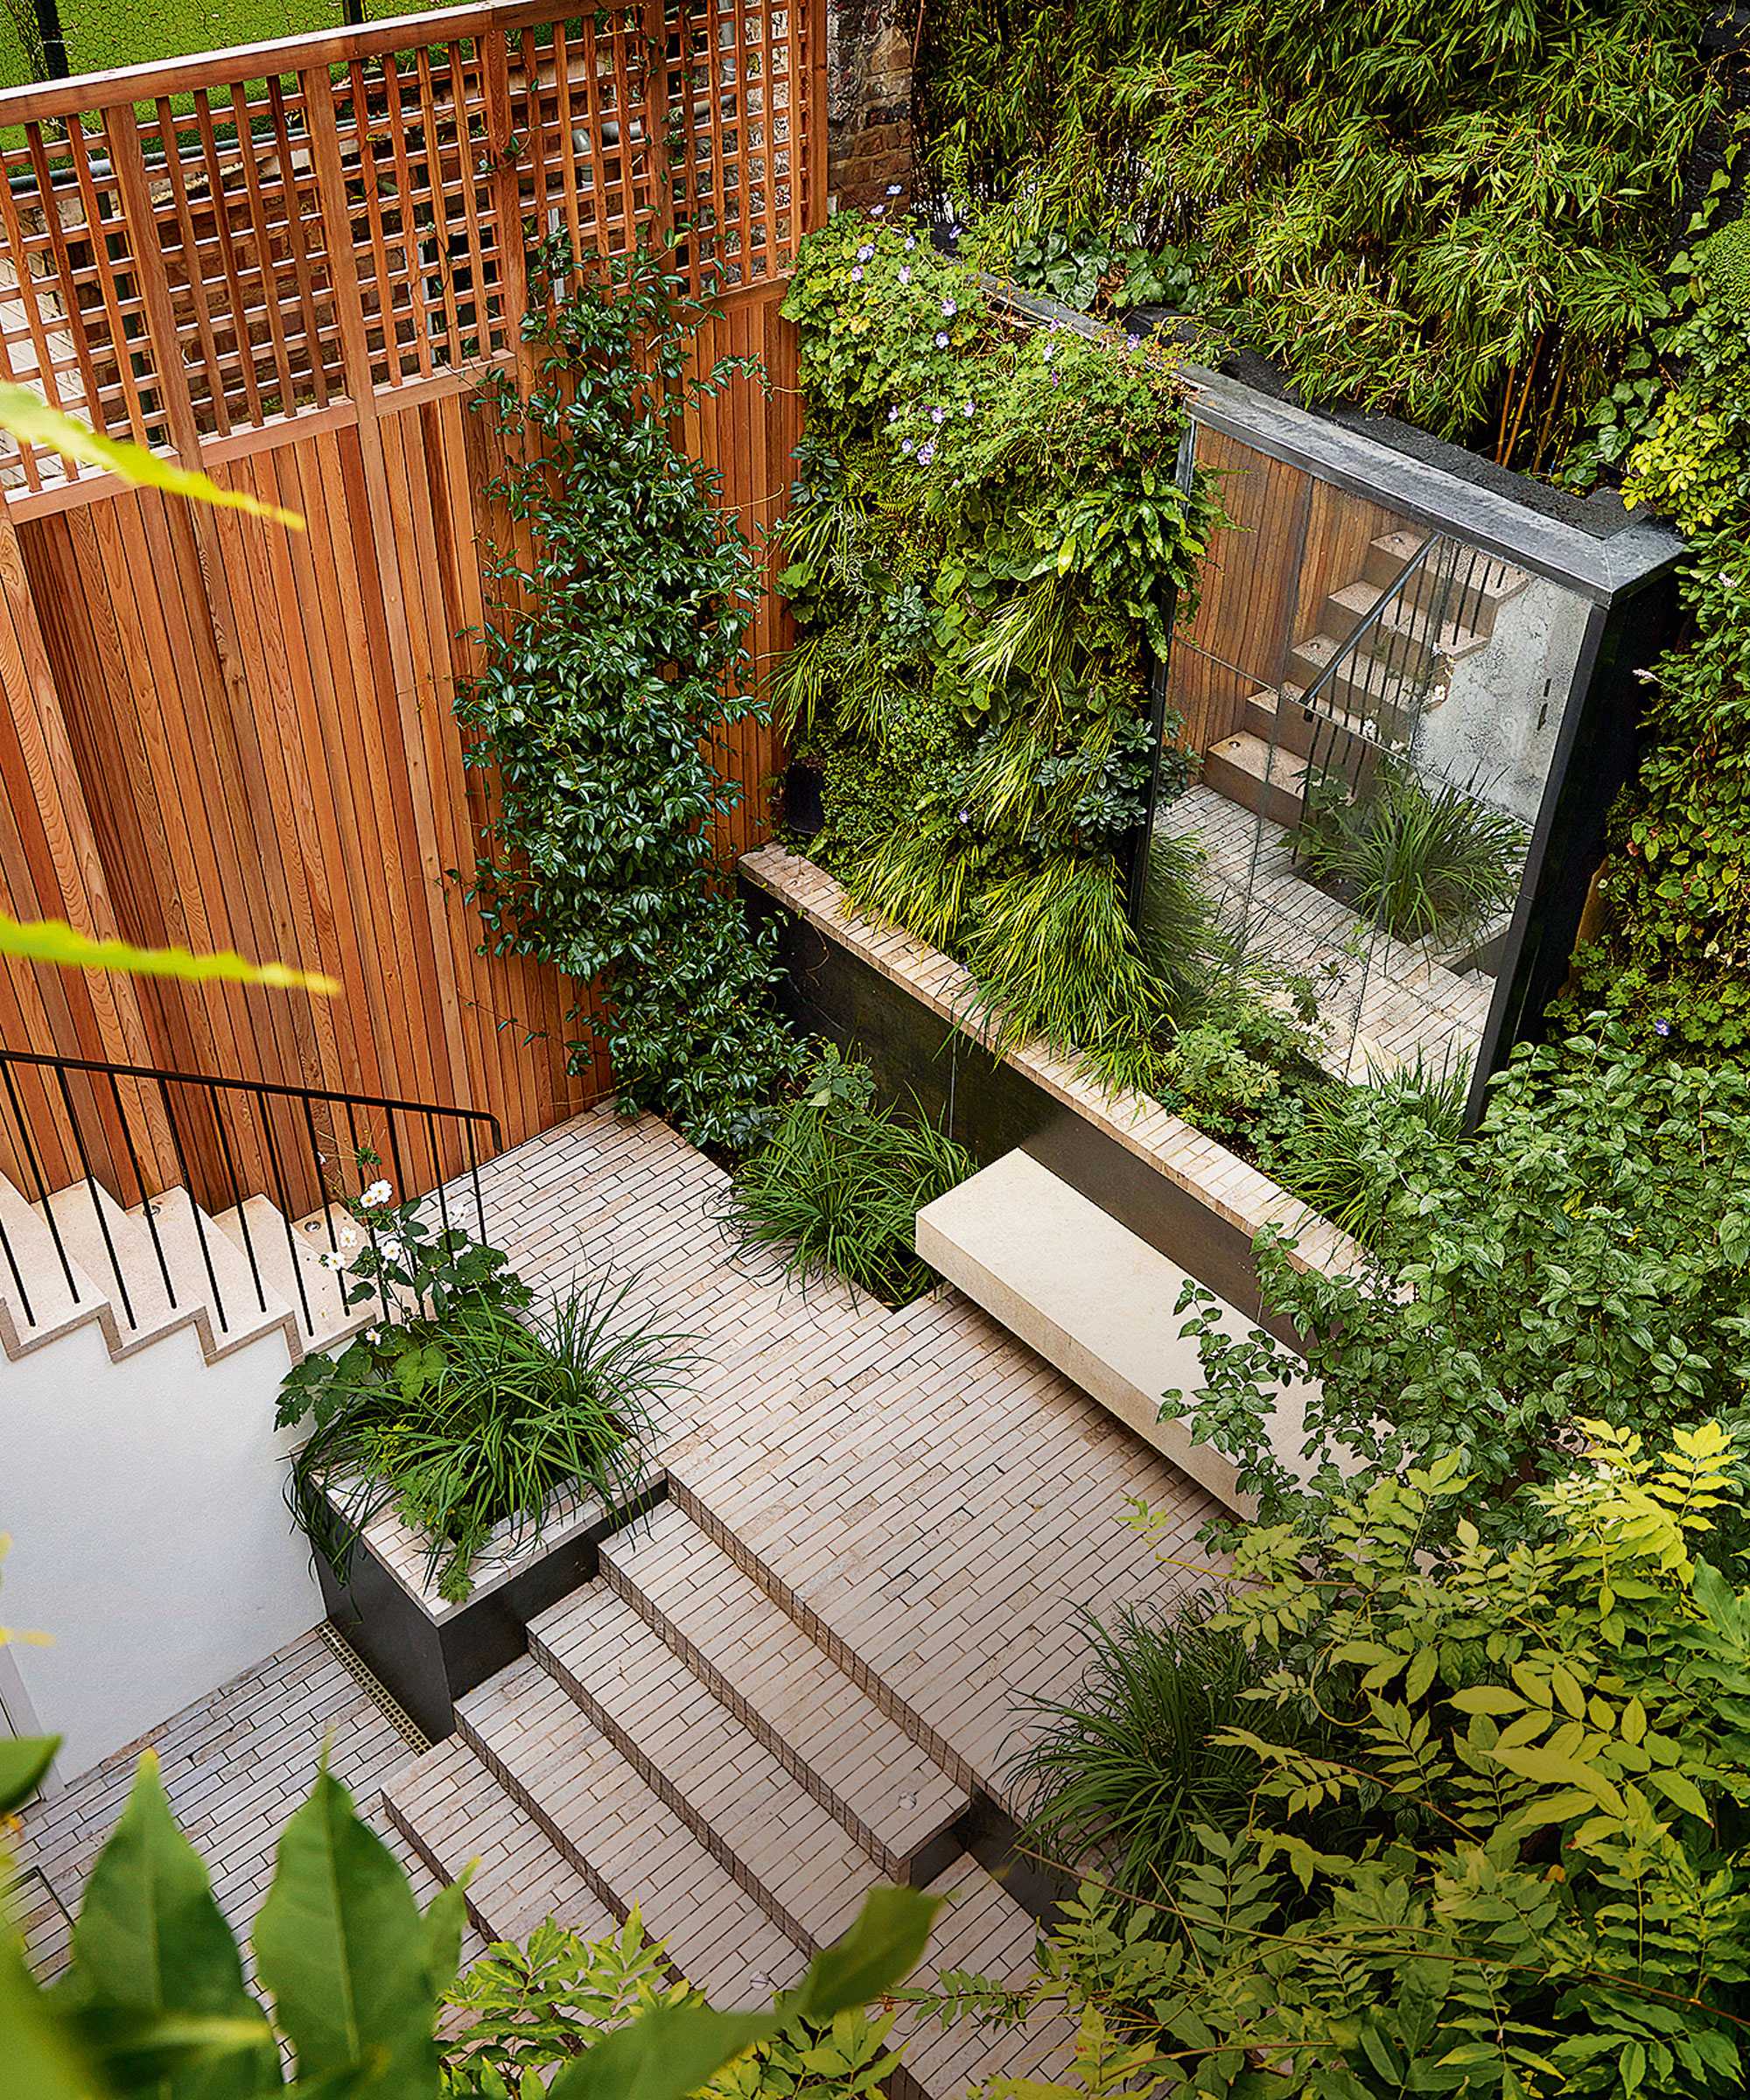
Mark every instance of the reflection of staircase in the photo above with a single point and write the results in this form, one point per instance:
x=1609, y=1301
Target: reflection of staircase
x=1399, y=667
x=677, y=1738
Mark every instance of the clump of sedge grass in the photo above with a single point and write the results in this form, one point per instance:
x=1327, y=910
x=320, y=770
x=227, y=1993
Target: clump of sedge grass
x=841, y=1184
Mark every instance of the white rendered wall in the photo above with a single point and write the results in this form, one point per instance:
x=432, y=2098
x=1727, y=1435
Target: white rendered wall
x=150, y=1532
x=1496, y=726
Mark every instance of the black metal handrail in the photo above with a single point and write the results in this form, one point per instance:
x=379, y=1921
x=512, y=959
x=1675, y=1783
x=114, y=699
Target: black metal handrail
x=1407, y=664
x=218, y=1156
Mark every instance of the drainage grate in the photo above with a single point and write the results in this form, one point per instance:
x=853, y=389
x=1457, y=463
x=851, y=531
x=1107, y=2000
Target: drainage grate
x=392, y=1712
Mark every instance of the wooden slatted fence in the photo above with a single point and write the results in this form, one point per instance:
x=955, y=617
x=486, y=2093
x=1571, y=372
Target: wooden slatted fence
x=290, y=267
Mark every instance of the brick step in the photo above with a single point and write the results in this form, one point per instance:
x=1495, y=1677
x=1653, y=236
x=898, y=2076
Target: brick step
x=628, y=1846
x=788, y=1694
x=806, y=1872
x=1339, y=742
x=452, y=1811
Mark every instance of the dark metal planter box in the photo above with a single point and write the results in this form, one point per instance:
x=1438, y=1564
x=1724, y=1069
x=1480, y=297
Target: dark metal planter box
x=428, y=1653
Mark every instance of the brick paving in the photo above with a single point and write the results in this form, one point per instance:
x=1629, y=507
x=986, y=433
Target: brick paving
x=913, y=1493
x=234, y=1764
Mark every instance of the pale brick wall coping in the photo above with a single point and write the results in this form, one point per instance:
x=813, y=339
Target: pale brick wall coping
x=1219, y=1180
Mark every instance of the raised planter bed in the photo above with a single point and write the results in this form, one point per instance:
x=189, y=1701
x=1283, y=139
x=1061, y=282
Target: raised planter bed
x=429, y=1652
x=856, y=980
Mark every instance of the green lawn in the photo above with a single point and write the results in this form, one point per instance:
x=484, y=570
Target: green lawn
x=103, y=34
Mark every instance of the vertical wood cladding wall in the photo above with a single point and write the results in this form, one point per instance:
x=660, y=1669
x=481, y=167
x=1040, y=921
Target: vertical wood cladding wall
x=221, y=733
x=1290, y=541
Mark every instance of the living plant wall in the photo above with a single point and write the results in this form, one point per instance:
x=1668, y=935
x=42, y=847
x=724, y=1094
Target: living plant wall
x=1458, y=215
x=984, y=544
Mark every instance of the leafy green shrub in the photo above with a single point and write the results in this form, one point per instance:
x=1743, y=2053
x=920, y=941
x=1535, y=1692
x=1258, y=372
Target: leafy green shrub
x=1587, y=1253
x=611, y=662
x=475, y=1419
x=1556, y=1739
x=155, y=2002
x=1417, y=862
x=840, y=1185
x=1349, y=1153
x=1130, y=1764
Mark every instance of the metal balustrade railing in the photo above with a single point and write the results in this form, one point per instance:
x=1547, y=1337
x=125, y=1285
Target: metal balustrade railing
x=306, y=1149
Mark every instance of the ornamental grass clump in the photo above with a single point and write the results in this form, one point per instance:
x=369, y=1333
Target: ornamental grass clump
x=840, y=1185
x=477, y=1420
x=1130, y=1764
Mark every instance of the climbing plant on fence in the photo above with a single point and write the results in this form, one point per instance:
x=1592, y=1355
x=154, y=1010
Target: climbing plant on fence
x=612, y=660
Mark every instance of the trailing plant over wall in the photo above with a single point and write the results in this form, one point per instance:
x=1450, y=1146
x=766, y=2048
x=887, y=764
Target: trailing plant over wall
x=1586, y=1255
x=982, y=541
x=1457, y=215
x=614, y=658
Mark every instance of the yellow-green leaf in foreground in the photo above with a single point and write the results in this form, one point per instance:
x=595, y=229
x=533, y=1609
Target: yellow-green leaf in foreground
x=35, y=422
x=54, y=940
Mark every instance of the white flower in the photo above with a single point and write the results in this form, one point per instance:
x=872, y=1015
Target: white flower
x=894, y=188
x=348, y=1237
x=379, y=1192
x=330, y=1261
x=391, y=1249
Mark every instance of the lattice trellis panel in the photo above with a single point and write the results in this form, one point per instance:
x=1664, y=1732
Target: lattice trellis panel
x=737, y=75
x=207, y=258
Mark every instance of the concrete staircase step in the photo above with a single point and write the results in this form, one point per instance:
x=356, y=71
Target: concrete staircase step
x=628, y=1846
x=329, y=1319
x=1405, y=635
x=1247, y=771
x=117, y=1253
x=38, y=1304
x=1369, y=688
x=1474, y=586
x=786, y=1691
x=1338, y=741
x=234, y=1304
x=760, y=1824
x=1092, y=1298
x=452, y=1811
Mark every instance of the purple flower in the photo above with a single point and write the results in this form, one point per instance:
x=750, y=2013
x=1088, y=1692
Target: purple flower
x=866, y=253
x=948, y=310
x=893, y=414
x=969, y=409
x=1057, y=378
x=905, y=273
x=856, y=276
x=878, y=211
x=894, y=188
x=1133, y=342
x=954, y=233
x=905, y=444
x=927, y=454
x=936, y=415
x=942, y=338
x=966, y=816
x=1661, y=1027
x=911, y=242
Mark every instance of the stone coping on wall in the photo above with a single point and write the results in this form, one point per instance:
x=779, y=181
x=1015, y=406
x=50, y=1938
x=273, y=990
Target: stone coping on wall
x=1219, y=1179
x=513, y=1548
